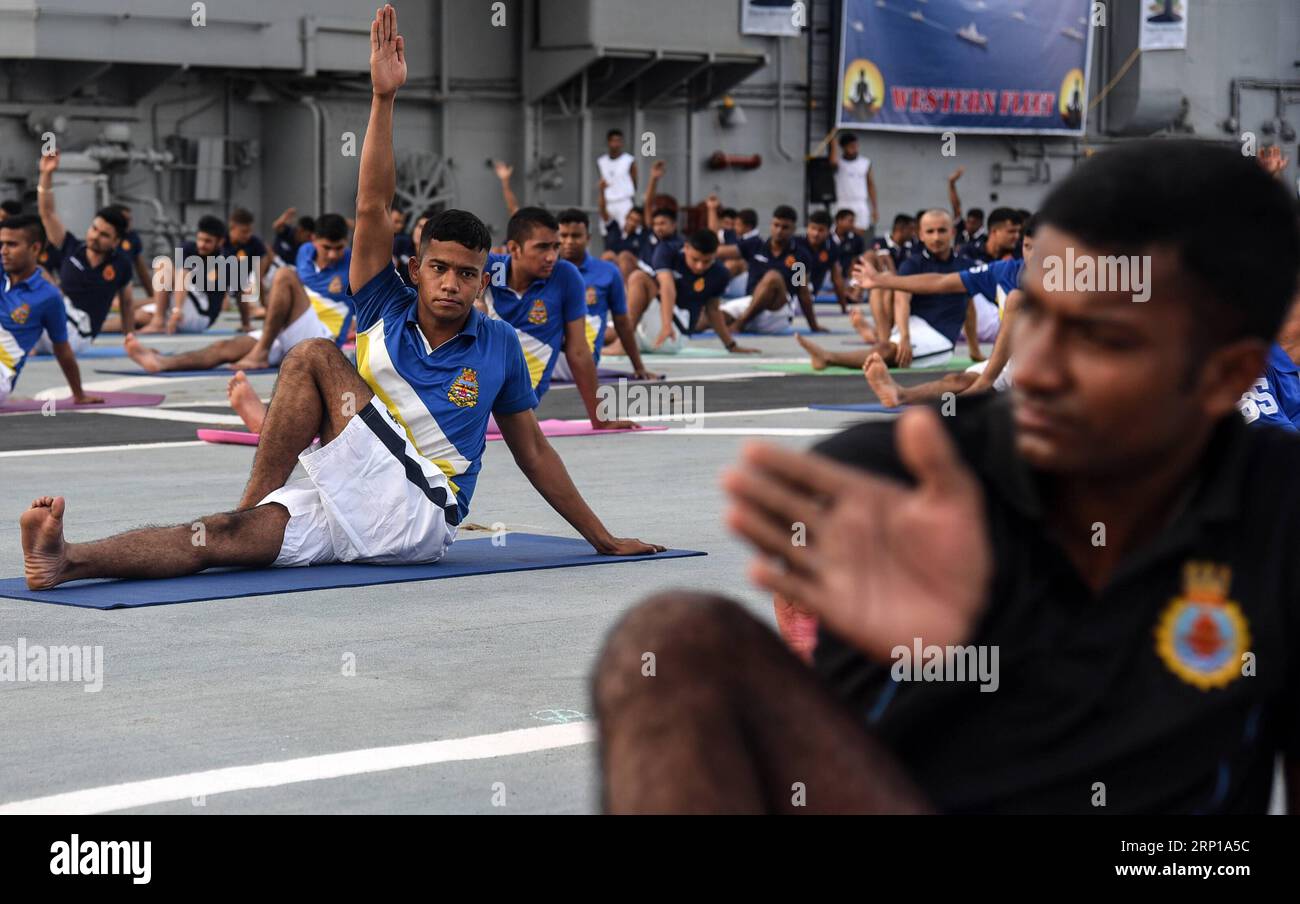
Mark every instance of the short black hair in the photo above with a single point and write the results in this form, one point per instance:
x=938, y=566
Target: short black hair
x=704, y=241
x=727, y=213
x=574, y=215
x=1002, y=215
x=29, y=224
x=241, y=216
x=459, y=226
x=847, y=138
x=1156, y=193
x=525, y=220
x=976, y=212
x=637, y=209
x=610, y=134
x=903, y=219
x=785, y=212
x=212, y=226
x=842, y=213
x=665, y=212
x=114, y=218
x=11, y=207
x=1030, y=226
x=820, y=217
x=307, y=224
x=121, y=208
x=748, y=217
x=331, y=227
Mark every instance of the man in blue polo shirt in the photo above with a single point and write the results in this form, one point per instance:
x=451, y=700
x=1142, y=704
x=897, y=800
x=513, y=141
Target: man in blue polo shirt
x=914, y=327
x=999, y=280
x=824, y=269
x=545, y=300
x=778, y=279
x=691, y=282
x=399, y=444
x=604, y=294
x=309, y=301
x=1275, y=396
x=30, y=306
x=92, y=272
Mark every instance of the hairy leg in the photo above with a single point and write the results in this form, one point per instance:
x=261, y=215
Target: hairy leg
x=730, y=722
x=218, y=353
x=285, y=303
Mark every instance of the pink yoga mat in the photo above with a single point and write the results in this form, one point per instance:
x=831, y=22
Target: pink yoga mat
x=552, y=427
x=111, y=400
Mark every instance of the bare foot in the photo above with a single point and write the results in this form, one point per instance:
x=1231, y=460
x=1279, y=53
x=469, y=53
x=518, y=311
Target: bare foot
x=148, y=359
x=245, y=402
x=859, y=321
x=45, y=555
x=882, y=384
x=251, y=361
x=815, y=352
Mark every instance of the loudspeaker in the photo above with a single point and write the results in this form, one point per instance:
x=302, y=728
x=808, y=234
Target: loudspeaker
x=821, y=181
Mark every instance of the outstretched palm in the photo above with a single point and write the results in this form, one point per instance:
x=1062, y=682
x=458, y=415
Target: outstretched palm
x=387, y=53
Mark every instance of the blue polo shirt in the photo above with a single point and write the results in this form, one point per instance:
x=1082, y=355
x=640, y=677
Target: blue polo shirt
x=604, y=294
x=27, y=309
x=92, y=289
x=253, y=248
x=822, y=259
x=994, y=281
x=650, y=244
x=693, y=292
x=1275, y=396
x=132, y=245
x=286, y=247
x=403, y=251
x=848, y=248
x=946, y=312
x=327, y=290
x=761, y=257
x=898, y=252
x=440, y=396
x=540, y=314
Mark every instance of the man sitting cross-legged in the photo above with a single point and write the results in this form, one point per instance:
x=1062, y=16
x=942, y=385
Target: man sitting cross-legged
x=999, y=280
x=400, y=442
x=308, y=301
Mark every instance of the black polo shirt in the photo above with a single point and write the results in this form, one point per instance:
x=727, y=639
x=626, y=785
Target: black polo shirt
x=1138, y=686
x=92, y=289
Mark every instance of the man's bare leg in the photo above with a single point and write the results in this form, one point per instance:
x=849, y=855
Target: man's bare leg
x=317, y=393
x=882, y=311
x=223, y=351
x=822, y=358
x=627, y=264
x=730, y=722
x=892, y=395
x=858, y=320
x=641, y=290
x=769, y=295
x=285, y=303
x=249, y=538
x=245, y=401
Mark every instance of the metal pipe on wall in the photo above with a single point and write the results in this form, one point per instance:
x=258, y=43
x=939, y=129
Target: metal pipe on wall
x=780, y=101
x=444, y=77
x=318, y=169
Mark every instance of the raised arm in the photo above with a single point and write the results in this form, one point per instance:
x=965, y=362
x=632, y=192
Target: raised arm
x=504, y=171
x=657, y=170
x=953, y=198
x=284, y=219
x=54, y=229
x=372, y=241
x=711, y=205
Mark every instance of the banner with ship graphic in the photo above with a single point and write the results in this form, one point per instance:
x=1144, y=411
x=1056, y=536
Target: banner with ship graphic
x=1008, y=66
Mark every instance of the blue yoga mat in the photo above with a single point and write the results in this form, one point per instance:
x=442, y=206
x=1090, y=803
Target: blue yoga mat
x=520, y=552
x=800, y=331
x=874, y=407
x=215, y=372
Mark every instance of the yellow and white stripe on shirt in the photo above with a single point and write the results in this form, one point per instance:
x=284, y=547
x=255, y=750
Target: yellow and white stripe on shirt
x=403, y=403
x=331, y=313
x=10, y=354
x=536, y=352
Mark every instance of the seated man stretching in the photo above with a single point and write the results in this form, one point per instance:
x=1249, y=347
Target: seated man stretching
x=309, y=301
x=400, y=443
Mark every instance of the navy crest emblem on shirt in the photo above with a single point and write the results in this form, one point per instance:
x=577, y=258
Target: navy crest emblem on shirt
x=1202, y=635
x=336, y=285
x=109, y=273
x=537, y=316
x=699, y=284
x=464, y=389
x=21, y=313
x=592, y=297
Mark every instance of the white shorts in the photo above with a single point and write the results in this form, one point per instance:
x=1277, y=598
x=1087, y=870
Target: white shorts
x=307, y=326
x=1003, y=381
x=737, y=286
x=769, y=322
x=927, y=343
x=618, y=210
x=193, y=320
x=358, y=504
x=79, y=336
x=647, y=331
x=986, y=314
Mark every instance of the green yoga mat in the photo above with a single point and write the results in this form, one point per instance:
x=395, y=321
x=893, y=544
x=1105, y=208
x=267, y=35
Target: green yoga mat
x=953, y=364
